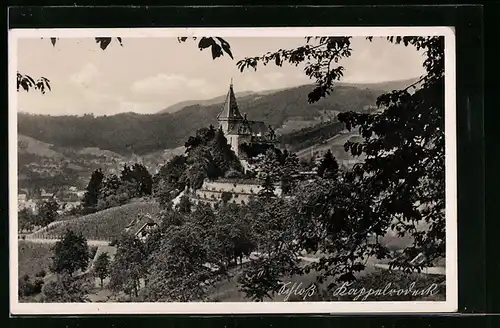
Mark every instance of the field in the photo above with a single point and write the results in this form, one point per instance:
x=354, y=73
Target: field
x=33, y=257
x=103, y=225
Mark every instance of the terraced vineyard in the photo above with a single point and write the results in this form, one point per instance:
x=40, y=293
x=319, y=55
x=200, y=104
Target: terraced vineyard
x=104, y=225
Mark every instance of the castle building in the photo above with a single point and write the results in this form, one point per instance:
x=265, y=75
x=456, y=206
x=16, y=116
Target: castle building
x=239, y=130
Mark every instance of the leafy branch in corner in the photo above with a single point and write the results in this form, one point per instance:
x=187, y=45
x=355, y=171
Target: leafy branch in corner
x=320, y=55
x=26, y=82
x=217, y=45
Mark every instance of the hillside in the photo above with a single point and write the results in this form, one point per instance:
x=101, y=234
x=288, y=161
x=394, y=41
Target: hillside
x=103, y=225
x=287, y=110
x=207, y=102
x=217, y=100
x=31, y=146
x=335, y=144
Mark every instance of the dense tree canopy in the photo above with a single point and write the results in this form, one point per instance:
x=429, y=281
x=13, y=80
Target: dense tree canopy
x=70, y=254
x=46, y=212
x=400, y=185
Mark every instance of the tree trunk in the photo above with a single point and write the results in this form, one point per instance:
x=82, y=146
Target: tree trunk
x=102, y=283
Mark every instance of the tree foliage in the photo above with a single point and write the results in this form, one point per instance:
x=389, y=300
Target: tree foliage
x=93, y=191
x=328, y=167
x=400, y=185
x=208, y=156
x=26, y=219
x=129, y=265
x=26, y=83
x=66, y=289
x=277, y=166
x=46, y=211
x=217, y=45
x=70, y=254
x=139, y=178
x=27, y=288
x=101, y=266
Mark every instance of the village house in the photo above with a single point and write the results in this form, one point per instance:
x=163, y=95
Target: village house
x=142, y=226
x=23, y=202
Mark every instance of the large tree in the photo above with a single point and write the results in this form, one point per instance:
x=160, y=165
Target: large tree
x=93, y=191
x=400, y=185
x=128, y=266
x=71, y=253
x=46, y=211
x=139, y=179
x=101, y=267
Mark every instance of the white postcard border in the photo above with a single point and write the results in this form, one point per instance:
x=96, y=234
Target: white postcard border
x=451, y=303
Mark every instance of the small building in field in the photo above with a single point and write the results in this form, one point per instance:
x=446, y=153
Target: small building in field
x=142, y=226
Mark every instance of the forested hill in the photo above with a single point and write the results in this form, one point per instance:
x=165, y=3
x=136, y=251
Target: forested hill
x=142, y=134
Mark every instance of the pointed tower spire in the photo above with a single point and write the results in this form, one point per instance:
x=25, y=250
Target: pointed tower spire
x=230, y=110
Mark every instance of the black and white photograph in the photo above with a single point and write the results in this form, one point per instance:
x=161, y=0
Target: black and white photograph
x=226, y=170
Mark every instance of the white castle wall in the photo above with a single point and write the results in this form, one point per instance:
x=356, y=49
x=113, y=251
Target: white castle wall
x=211, y=191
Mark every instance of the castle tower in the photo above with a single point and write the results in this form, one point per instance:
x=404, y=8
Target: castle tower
x=229, y=116
x=230, y=120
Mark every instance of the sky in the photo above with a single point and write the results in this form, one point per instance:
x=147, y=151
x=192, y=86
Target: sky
x=146, y=75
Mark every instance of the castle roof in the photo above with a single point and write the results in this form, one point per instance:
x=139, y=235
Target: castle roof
x=230, y=109
x=255, y=127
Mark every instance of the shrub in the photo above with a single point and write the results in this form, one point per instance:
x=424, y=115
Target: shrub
x=27, y=288
x=66, y=289
x=42, y=273
x=37, y=286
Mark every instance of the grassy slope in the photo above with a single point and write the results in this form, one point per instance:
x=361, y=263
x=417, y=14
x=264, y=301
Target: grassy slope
x=33, y=257
x=36, y=147
x=335, y=144
x=104, y=225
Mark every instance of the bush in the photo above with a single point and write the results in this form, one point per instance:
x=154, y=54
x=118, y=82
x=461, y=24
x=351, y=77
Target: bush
x=66, y=289
x=37, y=286
x=42, y=273
x=27, y=288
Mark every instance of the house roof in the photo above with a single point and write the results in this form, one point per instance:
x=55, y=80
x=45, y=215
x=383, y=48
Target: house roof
x=136, y=225
x=230, y=110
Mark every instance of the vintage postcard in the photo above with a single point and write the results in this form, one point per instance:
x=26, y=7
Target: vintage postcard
x=232, y=170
